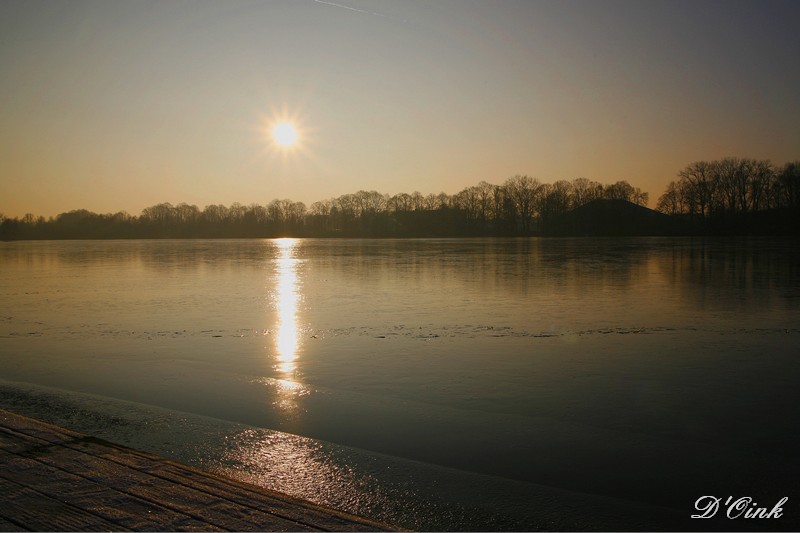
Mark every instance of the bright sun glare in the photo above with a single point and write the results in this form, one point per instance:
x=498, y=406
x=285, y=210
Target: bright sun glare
x=284, y=134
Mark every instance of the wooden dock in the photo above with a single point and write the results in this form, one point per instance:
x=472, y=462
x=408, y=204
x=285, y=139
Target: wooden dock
x=54, y=479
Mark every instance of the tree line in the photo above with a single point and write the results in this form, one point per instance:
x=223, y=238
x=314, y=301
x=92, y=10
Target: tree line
x=520, y=206
x=733, y=193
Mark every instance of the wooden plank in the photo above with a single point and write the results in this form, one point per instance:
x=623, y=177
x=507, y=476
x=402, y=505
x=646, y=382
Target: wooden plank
x=6, y=525
x=91, y=464
x=136, y=490
x=23, y=506
x=245, y=494
x=284, y=505
x=96, y=461
x=123, y=510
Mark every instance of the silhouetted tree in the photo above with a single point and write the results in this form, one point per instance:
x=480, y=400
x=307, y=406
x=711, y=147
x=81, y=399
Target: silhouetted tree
x=671, y=202
x=714, y=195
x=401, y=202
x=732, y=195
x=523, y=191
x=582, y=192
x=788, y=185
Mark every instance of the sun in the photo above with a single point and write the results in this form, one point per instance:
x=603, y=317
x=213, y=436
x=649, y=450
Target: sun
x=284, y=134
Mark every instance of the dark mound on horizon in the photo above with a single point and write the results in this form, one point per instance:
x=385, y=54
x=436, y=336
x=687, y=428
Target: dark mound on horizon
x=613, y=218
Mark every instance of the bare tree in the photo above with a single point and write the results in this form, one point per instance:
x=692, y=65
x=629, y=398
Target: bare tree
x=485, y=192
x=789, y=185
x=523, y=191
x=581, y=192
x=259, y=213
x=700, y=179
x=469, y=201
x=417, y=201
x=621, y=190
x=186, y=213
x=401, y=202
x=321, y=208
x=371, y=202
x=640, y=197
x=162, y=214
x=430, y=202
x=555, y=200
x=761, y=175
x=215, y=214
x=670, y=202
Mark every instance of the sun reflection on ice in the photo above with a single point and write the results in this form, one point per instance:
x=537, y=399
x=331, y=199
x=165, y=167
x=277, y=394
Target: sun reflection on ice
x=288, y=297
x=287, y=340
x=304, y=468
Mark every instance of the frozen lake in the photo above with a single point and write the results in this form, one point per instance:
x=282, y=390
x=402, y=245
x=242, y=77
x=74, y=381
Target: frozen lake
x=442, y=383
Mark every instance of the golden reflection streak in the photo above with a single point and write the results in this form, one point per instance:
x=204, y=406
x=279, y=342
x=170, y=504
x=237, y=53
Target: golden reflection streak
x=287, y=340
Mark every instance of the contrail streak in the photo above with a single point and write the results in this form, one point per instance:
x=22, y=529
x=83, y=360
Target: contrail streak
x=350, y=8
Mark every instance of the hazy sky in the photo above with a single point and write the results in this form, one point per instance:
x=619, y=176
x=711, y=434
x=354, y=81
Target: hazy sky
x=118, y=105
